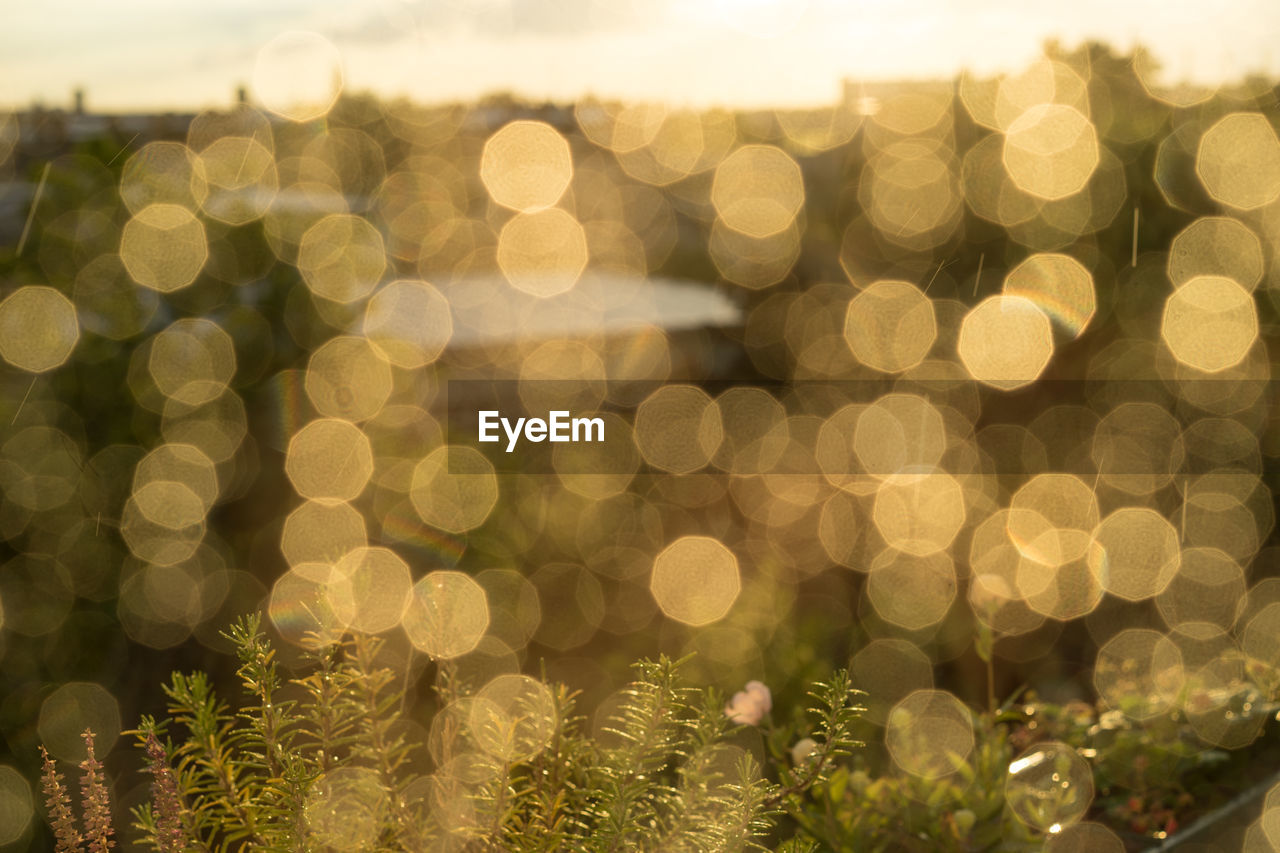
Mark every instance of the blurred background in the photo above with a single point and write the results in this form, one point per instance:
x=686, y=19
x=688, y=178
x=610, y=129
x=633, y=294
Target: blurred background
x=930, y=338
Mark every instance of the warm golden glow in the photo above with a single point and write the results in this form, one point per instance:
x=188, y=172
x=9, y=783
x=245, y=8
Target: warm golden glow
x=1050, y=785
x=695, y=580
x=542, y=253
x=526, y=166
x=930, y=734
x=329, y=461
x=1059, y=285
x=38, y=329
x=298, y=75
x=1238, y=161
x=1051, y=151
x=454, y=488
x=1006, y=342
x=447, y=615
x=164, y=247
x=1209, y=323
x=758, y=190
x=890, y=326
x=342, y=258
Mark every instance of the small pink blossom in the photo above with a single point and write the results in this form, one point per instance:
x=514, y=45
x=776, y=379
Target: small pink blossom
x=803, y=750
x=748, y=707
x=761, y=694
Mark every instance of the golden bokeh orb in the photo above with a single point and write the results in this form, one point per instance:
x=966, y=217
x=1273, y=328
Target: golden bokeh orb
x=448, y=615
x=1217, y=245
x=322, y=532
x=345, y=808
x=526, y=166
x=899, y=437
x=409, y=322
x=919, y=514
x=1209, y=323
x=1139, y=671
x=1049, y=786
x=72, y=708
x=342, y=258
x=1005, y=342
x=930, y=734
x=164, y=247
x=758, y=190
x=300, y=605
x=1051, y=151
x=1135, y=553
x=890, y=326
x=909, y=591
x=242, y=177
x=1238, y=161
x=513, y=717
x=370, y=589
x=329, y=461
x=38, y=329
x=543, y=253
x=678, y=429
x=454, y=488
x=163, y=173
x=16, y=805
x=298, y=75
x=1059, y=285
x=192, y=361
x=170, y=504
x=348, y=378
x=695, y=580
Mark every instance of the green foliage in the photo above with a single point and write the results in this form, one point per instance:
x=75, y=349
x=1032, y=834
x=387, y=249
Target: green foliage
x=965, y=811
x=323, y=762
x=1156, y=773
x=1151, y=777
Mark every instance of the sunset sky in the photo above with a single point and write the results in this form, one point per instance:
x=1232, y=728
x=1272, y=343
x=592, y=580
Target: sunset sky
x=182, y=54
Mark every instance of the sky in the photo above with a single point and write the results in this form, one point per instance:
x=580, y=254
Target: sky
x=182, y=55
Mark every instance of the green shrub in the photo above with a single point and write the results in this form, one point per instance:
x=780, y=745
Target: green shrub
x=326, y=761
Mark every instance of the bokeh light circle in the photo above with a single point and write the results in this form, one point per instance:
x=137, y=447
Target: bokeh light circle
x=758, y=190
x=454, y=488
x=409, y=322
x=164, y=247
x=1051, y=151
x=1209, y=323
x=890, y=326
x=526, y=166
x=72, y=708
x=1049, y=785
x=329, y=460
x=1238, y=161
x=38, y=329
x=448, y=614
x=930, y=734
x=695, y=580
x=1059, y=285
x=1005, y=342
x=16, y=806
x=298, y=75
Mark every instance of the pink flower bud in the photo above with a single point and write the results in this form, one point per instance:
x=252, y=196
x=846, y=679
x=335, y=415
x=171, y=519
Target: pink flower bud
x=744, y=709
x=761, y=694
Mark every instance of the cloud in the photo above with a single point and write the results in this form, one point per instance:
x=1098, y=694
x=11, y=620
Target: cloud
x=390, y=20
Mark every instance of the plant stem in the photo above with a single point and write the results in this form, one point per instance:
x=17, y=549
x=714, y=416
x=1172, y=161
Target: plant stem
x=991, y=682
